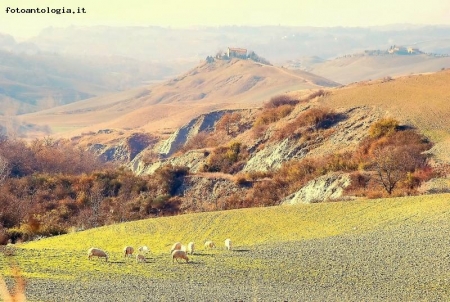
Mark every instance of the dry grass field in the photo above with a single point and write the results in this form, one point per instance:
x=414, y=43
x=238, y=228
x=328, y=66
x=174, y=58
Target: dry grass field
x=221, y=85
x=370, y=250
x=356, y=68
x=420, y=100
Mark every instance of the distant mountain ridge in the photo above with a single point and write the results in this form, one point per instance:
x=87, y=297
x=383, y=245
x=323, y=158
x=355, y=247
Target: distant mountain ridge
x=275, y=43
x=33, y=80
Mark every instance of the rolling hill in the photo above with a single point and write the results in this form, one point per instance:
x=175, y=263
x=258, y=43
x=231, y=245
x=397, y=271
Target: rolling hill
x=32, y=80
x=210, y=86
x=387, y=249
x=361, y=67
x=421, y=100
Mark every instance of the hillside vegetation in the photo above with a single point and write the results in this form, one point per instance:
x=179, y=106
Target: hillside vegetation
x=243, y=159
x=420, y=100
x=221, y=84
x=370, y=250
x=255, y=226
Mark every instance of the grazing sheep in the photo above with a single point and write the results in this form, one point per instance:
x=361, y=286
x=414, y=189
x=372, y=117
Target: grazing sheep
x=179, y=254
x=97, y=253
x=143, y=249
x=128, y=251
x=140, y=258
x=183, y=248
x=175, y=246
x=190, y=248
x=209, y=244
x=228, y=244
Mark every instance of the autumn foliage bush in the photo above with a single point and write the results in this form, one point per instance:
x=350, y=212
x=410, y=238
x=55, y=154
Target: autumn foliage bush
x=227, y=159
x=383, y=127
x=271, y=115
x=313, y=119
x=50, y=187
x=200, y=141
x=397, y=153
x=280, y=100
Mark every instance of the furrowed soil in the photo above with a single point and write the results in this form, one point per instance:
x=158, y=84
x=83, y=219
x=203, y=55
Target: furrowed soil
x=400, y=259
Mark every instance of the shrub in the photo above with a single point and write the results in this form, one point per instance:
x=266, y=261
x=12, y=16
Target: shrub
x=168, y=178
x=259, y=131
x=3, y=236
x=394, y=155
x=359, y=184
x=280, y=100
x=226, y=159
x=149, y=156
x=315, y=94
x=271, y=115
x=309, y=120
x=198, y=141
x=319, y=117
x=230, y=123
x=383, y=127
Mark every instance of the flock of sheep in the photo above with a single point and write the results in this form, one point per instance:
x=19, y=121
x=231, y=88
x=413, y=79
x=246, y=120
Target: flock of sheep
x=178, y=251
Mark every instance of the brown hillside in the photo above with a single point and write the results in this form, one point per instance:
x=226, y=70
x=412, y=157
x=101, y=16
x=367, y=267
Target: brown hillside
x=420, y=100
x=355, y=68
x=220, y=85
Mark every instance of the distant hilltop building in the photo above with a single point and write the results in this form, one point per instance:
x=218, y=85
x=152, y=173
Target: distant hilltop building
x=402, y=50
x=413, y=50
x=237, y=52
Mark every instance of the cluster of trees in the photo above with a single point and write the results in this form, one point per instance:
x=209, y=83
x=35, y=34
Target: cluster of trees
x=251, y=55
x=48, y=187
x=389, y=162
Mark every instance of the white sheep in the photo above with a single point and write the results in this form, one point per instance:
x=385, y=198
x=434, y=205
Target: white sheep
x=190, y=248
x=97, y=253
x=209, y=244
x=175, y=246
x=140, y=258
x=143, y=249
x=128, y=251
x=179, y=254
x=228, y=244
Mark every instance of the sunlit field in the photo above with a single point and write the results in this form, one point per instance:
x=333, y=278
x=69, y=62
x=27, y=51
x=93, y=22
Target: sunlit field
x=386, y=249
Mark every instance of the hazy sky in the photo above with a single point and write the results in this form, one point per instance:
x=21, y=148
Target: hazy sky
x=181, y=13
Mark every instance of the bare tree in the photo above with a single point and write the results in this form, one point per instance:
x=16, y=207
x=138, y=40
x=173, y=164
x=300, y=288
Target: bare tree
x=230, y=123
x=96, y=198
x=4, y=169
x=391, y=164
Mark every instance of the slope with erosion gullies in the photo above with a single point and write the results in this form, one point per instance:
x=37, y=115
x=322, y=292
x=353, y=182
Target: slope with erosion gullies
x=360, y=67
x=268, y=150
x=210, y=86
x=419, y=101
x=422, y=101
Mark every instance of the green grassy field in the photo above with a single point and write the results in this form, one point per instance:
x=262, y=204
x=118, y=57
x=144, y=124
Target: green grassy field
x=286, y=246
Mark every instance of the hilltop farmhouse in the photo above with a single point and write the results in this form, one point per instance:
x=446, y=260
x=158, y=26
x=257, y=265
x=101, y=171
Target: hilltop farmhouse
x=402, y=50
x=237, y=52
